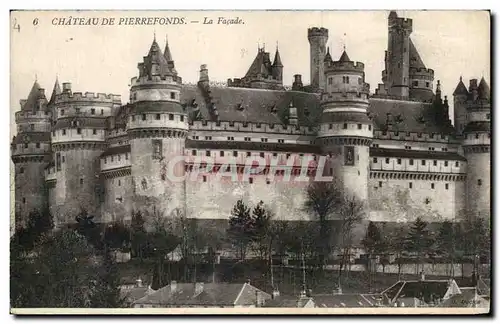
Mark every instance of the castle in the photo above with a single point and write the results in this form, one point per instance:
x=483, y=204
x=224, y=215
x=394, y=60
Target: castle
x=396, y=149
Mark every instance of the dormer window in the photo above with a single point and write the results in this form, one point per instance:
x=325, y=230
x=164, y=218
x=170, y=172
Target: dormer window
x=240, y=107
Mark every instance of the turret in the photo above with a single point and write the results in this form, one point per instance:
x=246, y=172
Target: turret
x=157, y=126
x=460, y=96
x=277, y=67
x=477, y=146
x=346, y=131
x=78, y=139
x=317, y=43
x=30, y=152
x=396, y=75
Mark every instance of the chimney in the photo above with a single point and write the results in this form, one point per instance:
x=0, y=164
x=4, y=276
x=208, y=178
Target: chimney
x=422, y=275
x=203, y=75
x=297, y=82
x=138, y=283
x=67, y=87
x=473, y=88
x=173, y=286
x=198, y=288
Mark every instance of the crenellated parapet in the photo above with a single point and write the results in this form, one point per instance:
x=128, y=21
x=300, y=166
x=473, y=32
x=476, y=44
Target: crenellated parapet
x=90, y=98
x=422, y=73
x=249, y=127
x=349, y=66
x=317, y=32
x=401, y=23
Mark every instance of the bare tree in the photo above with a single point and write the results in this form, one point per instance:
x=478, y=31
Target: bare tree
x=323, y=199
x=351, y=213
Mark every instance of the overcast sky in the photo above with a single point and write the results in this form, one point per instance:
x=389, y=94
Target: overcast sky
x=104, y=58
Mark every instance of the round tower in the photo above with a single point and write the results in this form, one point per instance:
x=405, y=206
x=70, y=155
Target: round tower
x=476, y=146
x=460, y=106
x=317, y=43
x=397, y=74
x=157, y=128
x=30, y=152
x=78, y=140
x=346, y=131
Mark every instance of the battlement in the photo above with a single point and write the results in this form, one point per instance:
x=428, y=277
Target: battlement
x=404, y=23
x=67, y=97
x=317, y=32
x=252, y=127
x=166, y=79
x=421, y=71
x=413, y=136
x=345, y=66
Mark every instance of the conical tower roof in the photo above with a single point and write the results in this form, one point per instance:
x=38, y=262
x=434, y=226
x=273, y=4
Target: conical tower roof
x=34, y=96
x=167, y=54
x=461, y=89
x=277, y=58
x=483, y=90
x=328, y=57
x=344, y=57
x=155, y=57
x=55, y=92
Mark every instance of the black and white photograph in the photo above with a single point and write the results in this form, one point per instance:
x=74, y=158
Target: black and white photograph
x=250, y=162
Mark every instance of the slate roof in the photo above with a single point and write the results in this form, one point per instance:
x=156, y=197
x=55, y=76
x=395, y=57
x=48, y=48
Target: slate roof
x=213, y=294
x=483, y=90
x=155, y=56
x=257, y=104
x=33, y=97
x=415, y=59
x=55, y=91
x=116, y=150
x=415, y=116
x=477, y=126
x=425, y=290
x=344, y=57
x=461, y=89
x=260, y=65
x=277, y=59
x=416, y=154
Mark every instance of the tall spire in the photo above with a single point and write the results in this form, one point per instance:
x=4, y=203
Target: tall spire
x=328, y=57
x=344, y=57
x=461, y=89
x=167, y=54
x=277, y=58
x=55, y=91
